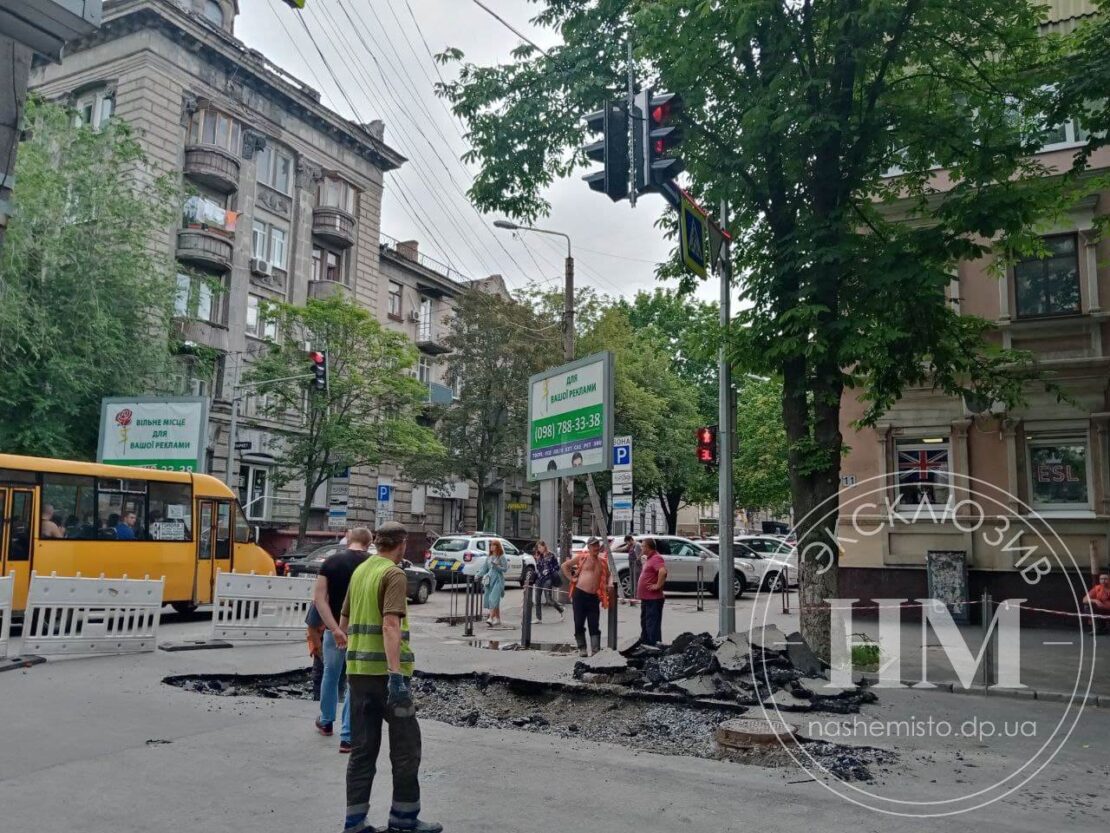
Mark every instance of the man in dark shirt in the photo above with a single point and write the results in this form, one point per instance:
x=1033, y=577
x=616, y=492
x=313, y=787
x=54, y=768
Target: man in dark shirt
x=331, y=589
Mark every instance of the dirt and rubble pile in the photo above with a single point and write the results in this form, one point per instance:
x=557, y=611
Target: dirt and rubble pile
x=764, y=666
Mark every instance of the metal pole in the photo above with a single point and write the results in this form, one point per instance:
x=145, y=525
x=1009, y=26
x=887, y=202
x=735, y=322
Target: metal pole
x=526, y=618
x=612, y=616
x=986, y=614
x=233, y=432
x=726, y=618
x=701, y=587
x=633, y=127
x=566, y=515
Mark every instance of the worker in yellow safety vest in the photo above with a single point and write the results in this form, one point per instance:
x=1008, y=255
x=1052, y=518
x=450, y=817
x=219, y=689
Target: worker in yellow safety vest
x=379, y=665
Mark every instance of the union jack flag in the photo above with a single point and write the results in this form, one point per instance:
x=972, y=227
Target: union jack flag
x=920, y=469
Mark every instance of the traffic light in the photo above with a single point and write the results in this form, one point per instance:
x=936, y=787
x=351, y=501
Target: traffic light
x=319, y=369
x=707, y=445
x=611, y=150
x=661, y=137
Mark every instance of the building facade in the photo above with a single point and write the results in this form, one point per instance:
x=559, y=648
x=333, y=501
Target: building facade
x=1051, y=456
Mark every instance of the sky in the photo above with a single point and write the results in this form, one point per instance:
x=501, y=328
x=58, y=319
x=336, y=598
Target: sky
x=384, y=71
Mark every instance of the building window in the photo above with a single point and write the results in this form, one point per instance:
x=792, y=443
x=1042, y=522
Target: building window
x=275, y=169
x=457, y=387
x=95, y=108
x=395, y=300
x=1063, y=135
x=922, y=472
x=211, y=127
x=268, y=243
x=201, y=212
x=1049, y=285
x=214, y=12
x=258, y=324
x=332, y=192
x=1058, y=473
x=254, y=491
x=424, y=370
x=198, y=297
x=327, y=265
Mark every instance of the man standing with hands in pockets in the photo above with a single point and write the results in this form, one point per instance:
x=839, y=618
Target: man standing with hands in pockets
x=379, y=666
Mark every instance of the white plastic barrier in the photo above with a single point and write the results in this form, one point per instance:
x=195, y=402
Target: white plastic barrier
x=253, y=608
x=75, y=616
x=7, y=590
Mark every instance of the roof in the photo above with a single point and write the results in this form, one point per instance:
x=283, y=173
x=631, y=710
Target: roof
x=251, y=68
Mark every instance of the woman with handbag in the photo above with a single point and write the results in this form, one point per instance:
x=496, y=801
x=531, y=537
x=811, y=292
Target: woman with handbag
x=493, y=580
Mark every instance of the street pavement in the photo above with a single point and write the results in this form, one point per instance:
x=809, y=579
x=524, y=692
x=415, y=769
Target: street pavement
x=103, y=745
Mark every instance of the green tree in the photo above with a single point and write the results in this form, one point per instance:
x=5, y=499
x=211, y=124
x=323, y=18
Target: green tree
x=761, y=476
x=496, y=345
x=85, y=300
x=368, y=415
x=794, y=112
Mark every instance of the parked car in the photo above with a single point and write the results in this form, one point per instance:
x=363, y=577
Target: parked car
x=421, y=581
x=781, y=557
x=682, y=557
x=454, y=556
x=767, y=569
x=283, y=565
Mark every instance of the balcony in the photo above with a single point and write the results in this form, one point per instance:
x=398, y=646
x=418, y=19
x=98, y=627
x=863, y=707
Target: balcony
x=431, y=339
x=213, y=167
x=334, y=226
x=205, y=249
x=321, y=290
x=439, y=394
x=204, y=332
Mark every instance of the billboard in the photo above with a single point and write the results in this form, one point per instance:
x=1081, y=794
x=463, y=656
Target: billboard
x=153, y=432
x=570, y=418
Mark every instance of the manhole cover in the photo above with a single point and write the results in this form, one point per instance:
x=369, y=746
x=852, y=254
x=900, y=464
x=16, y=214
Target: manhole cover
x=746, y=732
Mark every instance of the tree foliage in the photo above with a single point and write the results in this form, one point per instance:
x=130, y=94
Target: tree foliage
x=496, y=345
x=85, y=300
x=367, y=415
x=794, y=113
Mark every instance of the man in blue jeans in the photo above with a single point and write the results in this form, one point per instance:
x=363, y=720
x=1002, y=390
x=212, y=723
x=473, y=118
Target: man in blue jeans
x=331, y=589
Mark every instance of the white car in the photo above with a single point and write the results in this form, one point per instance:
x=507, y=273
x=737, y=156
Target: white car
x=682, y=557
x=780, y=559
x=454, y=556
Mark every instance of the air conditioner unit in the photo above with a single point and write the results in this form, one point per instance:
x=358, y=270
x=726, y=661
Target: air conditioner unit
x=261, y=267
x=414, y=316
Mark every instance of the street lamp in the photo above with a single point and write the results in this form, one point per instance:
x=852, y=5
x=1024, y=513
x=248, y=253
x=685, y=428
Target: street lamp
x=567, y=508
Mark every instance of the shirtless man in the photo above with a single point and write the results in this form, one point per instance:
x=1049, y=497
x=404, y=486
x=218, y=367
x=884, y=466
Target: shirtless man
x=49, y=529
x=588, y=577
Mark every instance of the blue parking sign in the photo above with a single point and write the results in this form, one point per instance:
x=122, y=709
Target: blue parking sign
x=622, y=455
x=385, y=492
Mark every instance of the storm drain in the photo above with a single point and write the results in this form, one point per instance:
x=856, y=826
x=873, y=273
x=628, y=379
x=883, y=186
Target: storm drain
x=642, y=723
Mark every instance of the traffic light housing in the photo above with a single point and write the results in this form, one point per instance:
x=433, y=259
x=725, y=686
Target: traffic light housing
x=611, y=150
x=707, y=445
x=662, y=136
x=319, y=369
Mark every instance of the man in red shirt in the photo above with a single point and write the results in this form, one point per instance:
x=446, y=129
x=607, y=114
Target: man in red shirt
x=649, y=590
x=1098, y=597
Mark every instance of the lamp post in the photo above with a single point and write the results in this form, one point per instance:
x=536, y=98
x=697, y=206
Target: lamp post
x=566, y=517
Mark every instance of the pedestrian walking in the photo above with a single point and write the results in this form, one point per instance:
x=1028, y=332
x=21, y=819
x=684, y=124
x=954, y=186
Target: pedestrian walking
x=650, y=593
x=493, y=580
x=635, y=562
x=328, y=595
x=379, y=667
x=588, y=574
x=547, y=581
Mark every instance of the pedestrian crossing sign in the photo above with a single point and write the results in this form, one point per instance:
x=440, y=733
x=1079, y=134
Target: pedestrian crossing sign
x=694, y=227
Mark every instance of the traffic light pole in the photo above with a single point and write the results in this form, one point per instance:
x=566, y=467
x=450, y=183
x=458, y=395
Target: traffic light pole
x=566, y=503
x=726, y=618
x=232, y=470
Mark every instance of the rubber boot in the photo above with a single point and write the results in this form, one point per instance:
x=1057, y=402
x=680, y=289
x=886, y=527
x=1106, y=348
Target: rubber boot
x=595, y=642
x=581, y=639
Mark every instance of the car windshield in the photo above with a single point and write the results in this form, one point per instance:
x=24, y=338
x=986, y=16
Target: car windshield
x=450, y=544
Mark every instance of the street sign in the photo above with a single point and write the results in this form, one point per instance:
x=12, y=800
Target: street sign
x=385, y=493
x=717, y=237
x=694, y=226
x=570, y=418
x=622, y=478
x=622, y=455
x=243, y=445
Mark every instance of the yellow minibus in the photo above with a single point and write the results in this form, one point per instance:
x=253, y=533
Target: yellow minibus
x=66, y=517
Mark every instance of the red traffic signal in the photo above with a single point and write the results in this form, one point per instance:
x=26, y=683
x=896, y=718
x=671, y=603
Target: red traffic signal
x=319, y=361
x=662, y=137
x=707, y=445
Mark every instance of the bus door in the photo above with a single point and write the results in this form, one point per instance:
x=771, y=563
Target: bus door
x=214, y=544
x=17, y=536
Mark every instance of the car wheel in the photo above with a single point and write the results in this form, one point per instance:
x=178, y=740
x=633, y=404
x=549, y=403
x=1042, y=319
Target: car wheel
x=185, y=608
x=423, y=591
x=626, y=584
x=774, y=582
x=528, y=576
x=738, y=586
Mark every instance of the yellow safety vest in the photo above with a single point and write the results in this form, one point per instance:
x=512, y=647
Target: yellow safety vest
x=365, y=643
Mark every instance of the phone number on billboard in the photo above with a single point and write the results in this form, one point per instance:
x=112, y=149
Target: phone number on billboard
x=568, y=426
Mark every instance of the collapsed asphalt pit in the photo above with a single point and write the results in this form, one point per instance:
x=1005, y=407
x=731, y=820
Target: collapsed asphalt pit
x=663, y=724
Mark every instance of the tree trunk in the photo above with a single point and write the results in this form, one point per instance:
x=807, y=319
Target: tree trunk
x=670, y=505
x=306, y=510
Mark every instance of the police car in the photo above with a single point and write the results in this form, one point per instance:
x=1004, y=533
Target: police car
x=453, y=557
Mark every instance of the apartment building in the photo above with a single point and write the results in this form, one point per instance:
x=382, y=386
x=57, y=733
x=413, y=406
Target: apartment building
x=282, y=202
x=1051, y=456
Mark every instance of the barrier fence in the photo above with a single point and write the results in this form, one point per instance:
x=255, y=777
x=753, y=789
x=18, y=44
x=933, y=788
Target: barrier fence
x=7, y=590
x=75, y=615
x=253, y=608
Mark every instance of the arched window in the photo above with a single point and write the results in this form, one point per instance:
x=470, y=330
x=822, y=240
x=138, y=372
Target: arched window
x=214, y=12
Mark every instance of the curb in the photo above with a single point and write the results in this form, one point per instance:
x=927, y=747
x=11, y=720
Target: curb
x=1097, y=700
